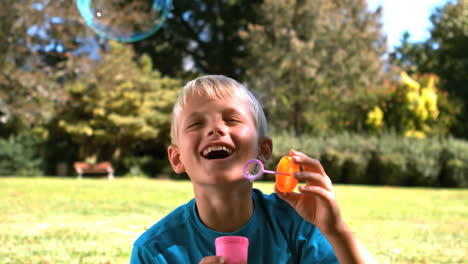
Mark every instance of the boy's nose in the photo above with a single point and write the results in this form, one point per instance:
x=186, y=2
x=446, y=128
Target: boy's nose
x=217, y=130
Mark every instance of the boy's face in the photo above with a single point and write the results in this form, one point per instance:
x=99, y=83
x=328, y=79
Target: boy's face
x=216, y=137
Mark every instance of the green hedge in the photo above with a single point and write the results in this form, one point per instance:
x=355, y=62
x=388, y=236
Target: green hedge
x=382, y=160
x=20, y=155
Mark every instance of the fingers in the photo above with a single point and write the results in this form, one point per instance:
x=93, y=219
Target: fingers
x=307, y=163
x=318, y=192
x=313, y=173
x=212, y=260
x=315, y=179
x=317, y=185
x=293, y=198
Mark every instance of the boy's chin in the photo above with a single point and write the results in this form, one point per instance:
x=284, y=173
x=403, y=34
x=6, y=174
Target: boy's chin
x=225, y=178
x=222, y=166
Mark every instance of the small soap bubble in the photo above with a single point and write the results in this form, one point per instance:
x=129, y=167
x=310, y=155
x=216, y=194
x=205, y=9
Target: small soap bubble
x=124, y=20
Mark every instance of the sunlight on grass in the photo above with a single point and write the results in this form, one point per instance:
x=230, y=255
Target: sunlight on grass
x=48, y=220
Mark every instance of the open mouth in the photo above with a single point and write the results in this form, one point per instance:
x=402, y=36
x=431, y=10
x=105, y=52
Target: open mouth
x=217, y=152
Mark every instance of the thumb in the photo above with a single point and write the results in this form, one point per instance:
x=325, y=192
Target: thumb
x=290, y=197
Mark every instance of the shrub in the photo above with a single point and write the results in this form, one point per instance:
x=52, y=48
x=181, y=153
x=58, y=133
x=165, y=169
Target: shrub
x=135, y=165
x=149, y=166
x=423, y=161
x=388, y=169
x=332, y=161
x=385, y=159
x=354, y=168
x=20, y=155
x=455, y=174
x=454, y=160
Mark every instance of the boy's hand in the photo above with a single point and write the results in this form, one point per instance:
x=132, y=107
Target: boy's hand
x=316, y=200
x=212, y=260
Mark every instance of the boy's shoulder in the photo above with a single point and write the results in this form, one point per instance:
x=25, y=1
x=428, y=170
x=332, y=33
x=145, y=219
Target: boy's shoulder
x=168, y=224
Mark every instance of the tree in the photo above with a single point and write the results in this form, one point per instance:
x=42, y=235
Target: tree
x=444, y=54
x=449, y=36
x=37, y=39
x=417, y=108
x=48, y=54
x=201, y=36
x=117, y=105
x=307, y=57
x=414, y=57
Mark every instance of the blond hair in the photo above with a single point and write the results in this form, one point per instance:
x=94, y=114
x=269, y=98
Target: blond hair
x=219, y=87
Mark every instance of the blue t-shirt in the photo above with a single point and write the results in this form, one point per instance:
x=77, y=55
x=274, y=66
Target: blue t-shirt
x=276, y=233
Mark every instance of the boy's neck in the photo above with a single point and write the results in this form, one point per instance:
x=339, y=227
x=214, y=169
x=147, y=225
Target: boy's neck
x=224, y=209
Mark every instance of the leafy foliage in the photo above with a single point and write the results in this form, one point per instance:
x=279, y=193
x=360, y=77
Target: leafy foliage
x=412, y=106
x=118, y=104
x=306, y=57
x=444, y=54
x=201, y=36
x=20, y=155
x=384, y=160
x=316, y=65
x=37, y=38
x=419, y=108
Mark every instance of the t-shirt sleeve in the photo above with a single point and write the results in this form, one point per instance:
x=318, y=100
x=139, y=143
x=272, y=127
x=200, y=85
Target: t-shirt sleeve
x=312, y=246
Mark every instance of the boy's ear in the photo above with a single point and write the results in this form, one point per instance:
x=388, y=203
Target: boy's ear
x=174, y=158
x=265, y=149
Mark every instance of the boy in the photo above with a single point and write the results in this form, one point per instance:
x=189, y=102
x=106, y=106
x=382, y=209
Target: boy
x=217, y=126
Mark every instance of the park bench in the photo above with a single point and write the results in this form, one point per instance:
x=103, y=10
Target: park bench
x=99, y=168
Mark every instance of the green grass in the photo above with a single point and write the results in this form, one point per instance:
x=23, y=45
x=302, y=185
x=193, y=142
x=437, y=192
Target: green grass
x=48, y=220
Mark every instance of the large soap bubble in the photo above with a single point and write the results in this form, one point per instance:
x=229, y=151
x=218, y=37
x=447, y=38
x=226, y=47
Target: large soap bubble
x=124, y=20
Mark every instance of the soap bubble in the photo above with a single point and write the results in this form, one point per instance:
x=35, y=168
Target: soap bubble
x=124, y=20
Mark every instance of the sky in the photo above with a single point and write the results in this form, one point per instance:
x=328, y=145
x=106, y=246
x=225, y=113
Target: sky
x=406, y=15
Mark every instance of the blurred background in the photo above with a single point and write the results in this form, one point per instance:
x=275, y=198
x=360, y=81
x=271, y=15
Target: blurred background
x=337, y=79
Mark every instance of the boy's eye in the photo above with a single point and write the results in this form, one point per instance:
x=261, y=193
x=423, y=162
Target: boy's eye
x=233, y=120
x=194, y=124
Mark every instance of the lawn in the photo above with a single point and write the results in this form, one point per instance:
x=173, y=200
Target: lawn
x=50, y=220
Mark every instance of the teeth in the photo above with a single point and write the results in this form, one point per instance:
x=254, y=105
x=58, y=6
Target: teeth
x=216, y=148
